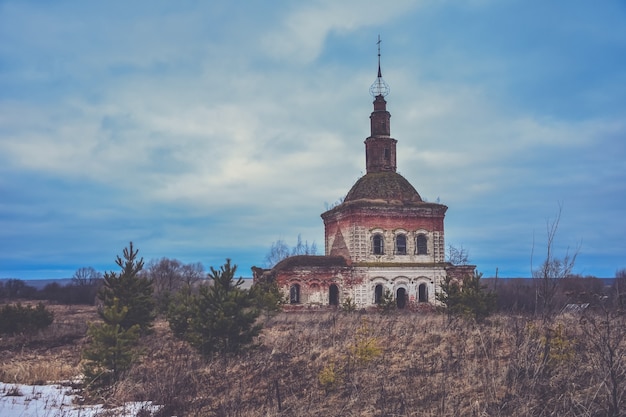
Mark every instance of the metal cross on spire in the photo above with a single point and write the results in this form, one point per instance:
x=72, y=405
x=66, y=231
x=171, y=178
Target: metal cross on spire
x=378, y=43
x=380, y=87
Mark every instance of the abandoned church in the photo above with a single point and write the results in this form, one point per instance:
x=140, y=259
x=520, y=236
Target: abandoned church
x=382, y=240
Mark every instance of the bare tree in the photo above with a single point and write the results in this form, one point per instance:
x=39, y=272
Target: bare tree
x=192, y=273
x=303, y=248
x=278, y=251
x=457, y=255
x=86, y=276
x=165, y=274
x=85, y=284
x=169, y=276
x=281, y=250
x=619, y=286
x=553, y=269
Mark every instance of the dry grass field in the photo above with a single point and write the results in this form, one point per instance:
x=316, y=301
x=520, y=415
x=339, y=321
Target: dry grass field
x=360, y=364
x=49, y=355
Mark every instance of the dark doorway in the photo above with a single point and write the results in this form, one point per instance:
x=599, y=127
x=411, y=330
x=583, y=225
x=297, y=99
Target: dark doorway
x=401, y=298
x=378, y=293
x=294, y=294
x=423, y=293
x=333, y=295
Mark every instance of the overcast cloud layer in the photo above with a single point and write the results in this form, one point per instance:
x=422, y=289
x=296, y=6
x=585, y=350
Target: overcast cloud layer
x=207, y=130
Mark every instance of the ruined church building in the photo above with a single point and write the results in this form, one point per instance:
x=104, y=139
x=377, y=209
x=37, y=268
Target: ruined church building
x=382, y=237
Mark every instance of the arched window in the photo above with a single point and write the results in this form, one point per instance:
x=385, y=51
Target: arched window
x=421, y=244
x=378, y=244
x=378, y=293
x=423, y=293
x=401, y=244
x=294, y=294
x=401, y=297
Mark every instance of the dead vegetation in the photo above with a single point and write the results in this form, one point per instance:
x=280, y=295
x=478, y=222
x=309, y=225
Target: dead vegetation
x=333, y=363
x=52, y=354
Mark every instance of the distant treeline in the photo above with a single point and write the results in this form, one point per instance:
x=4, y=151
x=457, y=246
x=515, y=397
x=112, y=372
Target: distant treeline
x=41, y=283
x=517, y=295
x=522, y=295
x=75, y=292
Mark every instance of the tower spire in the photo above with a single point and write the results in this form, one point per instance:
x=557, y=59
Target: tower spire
x=379, y=87
x=380, y=147
x=380, y=75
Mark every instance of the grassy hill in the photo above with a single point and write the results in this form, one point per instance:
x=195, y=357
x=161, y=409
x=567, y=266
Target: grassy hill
x=361, y=364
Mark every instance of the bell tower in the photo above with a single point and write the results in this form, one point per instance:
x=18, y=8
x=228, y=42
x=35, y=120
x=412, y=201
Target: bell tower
x=380, y=147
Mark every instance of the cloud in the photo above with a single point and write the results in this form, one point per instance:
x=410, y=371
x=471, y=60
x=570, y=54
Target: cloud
x=301, y=34
x=199, y=129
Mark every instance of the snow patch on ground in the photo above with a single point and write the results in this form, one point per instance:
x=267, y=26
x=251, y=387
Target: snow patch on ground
x=17, y=400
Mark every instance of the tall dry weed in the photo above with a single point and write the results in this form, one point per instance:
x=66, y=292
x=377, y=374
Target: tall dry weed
x=52, y=354
x=36, y=371
x=305, y=365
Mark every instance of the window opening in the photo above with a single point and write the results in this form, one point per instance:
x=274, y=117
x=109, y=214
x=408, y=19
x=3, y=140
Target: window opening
x=401, y=245
x=378, y=244
x=294, y=294
x=378, y=293
x=401, y=298
x=421, y=244
x=423, y=293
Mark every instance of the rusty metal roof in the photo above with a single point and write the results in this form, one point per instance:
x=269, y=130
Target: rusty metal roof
x=309, y=260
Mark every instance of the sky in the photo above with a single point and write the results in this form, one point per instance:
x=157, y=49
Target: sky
x=202, y=131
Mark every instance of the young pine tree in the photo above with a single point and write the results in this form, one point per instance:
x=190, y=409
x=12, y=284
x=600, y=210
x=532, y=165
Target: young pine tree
x=386, y=304
x=112, y=348
x=132, y=291
x=467, y=298
x=267, y=297
x=181, y=311
x=478, y=302
x=450, y=296
x=224, y=316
